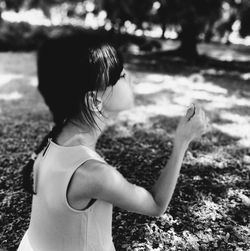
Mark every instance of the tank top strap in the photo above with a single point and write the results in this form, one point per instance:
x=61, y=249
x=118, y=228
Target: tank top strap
x=84, y=154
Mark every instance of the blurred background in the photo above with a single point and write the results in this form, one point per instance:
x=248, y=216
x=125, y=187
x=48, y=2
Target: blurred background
x=177, y=52
x=25, y=23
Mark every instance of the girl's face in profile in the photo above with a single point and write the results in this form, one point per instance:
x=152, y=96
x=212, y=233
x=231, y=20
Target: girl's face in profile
x=119, y=97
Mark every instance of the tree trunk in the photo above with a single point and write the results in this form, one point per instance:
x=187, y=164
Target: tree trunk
x=1, y=18
x=163, y=28
x=188, y=37
x=208, y=32
x=46, y=9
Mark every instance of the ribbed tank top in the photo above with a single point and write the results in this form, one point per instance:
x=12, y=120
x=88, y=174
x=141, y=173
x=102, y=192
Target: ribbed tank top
x=54, y=224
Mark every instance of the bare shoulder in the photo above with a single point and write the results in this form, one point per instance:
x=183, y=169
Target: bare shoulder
x=91, y=176
x=94, y=167
x=97, y=171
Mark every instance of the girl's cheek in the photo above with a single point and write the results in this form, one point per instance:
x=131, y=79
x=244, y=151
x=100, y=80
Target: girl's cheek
x=120, y=97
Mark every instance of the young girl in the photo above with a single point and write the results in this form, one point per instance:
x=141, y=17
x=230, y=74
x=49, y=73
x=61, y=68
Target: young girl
x=74, y=188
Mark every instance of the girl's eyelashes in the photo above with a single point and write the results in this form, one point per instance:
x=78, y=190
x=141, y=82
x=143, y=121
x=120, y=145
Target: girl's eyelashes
x=123, y=75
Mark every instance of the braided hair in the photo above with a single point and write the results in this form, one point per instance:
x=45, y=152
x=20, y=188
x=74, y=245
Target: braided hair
x=27, y=171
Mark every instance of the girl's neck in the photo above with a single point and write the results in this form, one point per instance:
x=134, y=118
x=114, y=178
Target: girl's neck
x=75, y=133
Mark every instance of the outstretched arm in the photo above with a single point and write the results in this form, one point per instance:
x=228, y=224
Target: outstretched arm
x=106, y=183
x=192, y=125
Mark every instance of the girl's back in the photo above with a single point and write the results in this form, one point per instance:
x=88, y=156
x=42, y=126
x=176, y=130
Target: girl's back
x=54, y=224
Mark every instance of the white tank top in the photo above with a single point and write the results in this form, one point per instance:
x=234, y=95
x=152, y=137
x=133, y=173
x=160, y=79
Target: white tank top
x=54, y=224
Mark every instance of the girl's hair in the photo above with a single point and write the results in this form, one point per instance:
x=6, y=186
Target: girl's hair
x=69, y=71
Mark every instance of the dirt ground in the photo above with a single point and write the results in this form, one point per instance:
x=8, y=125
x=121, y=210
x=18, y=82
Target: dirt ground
x=211, y=203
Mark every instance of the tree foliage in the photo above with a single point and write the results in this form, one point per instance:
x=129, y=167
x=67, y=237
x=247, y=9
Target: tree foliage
x=44, y=5
x=118, y=11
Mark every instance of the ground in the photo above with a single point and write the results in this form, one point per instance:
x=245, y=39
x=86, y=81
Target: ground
x=210, y=206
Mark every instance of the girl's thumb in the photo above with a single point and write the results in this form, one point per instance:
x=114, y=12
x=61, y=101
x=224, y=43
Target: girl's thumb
x=190, y=112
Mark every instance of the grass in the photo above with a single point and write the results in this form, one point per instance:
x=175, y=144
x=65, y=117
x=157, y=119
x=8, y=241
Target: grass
x=210, y=206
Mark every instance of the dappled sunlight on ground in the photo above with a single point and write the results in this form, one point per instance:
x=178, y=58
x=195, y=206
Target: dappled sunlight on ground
x=235, y=117
x=227, y=53
x=18, y=84
x=156, y=94
x=240, y=130
x=11, y=96
x=18, y=63
x=162, y=94
x=6, y=78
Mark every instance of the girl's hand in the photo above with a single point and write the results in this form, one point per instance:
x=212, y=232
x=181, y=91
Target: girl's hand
x=192, y=125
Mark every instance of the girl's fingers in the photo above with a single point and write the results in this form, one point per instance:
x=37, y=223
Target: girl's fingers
x=200, y=118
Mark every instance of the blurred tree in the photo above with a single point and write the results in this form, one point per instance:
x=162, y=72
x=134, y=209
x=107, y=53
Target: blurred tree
x=16, y=5
x=191, y=16
x=245, y=18
x=119, y=11
x=222, y=27
x=44, y=5
x=234, y=10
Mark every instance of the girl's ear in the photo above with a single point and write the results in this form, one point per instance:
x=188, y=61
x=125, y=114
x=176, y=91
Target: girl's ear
x=94, y=102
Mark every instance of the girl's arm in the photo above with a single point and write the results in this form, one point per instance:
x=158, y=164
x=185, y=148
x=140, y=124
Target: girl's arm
x=106, y=183
x=111, y=186
x=187, y=130
x=163, y=189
